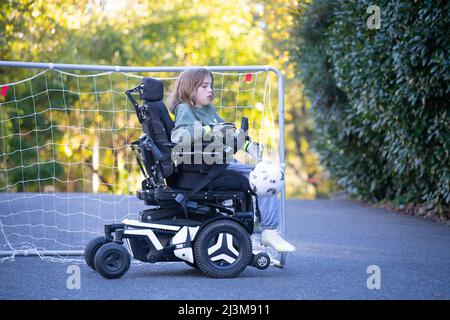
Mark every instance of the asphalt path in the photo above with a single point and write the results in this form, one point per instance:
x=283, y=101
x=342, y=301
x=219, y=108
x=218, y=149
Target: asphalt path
x=345, y=250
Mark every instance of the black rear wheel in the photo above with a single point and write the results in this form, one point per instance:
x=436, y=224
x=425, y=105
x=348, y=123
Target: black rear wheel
x=91, y=249
x=223, y=249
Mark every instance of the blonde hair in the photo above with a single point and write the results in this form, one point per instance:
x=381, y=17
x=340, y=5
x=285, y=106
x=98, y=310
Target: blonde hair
x=186, y=87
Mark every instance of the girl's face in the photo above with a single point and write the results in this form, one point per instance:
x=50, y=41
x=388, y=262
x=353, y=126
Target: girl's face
x=204, y=93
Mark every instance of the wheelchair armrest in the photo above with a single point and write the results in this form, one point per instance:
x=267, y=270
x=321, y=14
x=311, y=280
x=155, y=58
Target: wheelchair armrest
x=146, y=142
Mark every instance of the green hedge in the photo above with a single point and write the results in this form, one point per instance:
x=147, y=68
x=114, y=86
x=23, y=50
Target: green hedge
x=380, y=97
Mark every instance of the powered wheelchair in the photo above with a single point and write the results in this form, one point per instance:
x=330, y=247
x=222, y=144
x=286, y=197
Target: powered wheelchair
x=199, y=214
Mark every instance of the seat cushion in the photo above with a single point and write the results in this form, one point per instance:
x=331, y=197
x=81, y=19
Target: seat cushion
x=230, y=180
x=184, y=180
x=227, y=181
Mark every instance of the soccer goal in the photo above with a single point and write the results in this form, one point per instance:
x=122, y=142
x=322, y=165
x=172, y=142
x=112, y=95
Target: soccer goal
x=66, y=166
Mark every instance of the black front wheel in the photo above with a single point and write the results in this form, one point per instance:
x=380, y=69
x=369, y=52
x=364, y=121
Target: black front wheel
x=112, y=260
x=223, y=249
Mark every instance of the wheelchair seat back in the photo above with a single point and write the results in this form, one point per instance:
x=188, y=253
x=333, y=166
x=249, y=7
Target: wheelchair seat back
x=157, y=124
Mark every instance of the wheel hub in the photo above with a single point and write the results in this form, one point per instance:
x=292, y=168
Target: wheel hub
x=223, y=250
x=113, y=261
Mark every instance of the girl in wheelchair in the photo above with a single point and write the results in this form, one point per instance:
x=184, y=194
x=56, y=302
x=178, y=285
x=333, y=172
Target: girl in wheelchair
x=191, y=105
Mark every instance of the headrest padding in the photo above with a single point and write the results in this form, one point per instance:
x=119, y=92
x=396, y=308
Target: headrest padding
x=153, y=90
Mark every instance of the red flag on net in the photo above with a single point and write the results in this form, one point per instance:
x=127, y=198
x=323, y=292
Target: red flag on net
x=248, y=77
x=4, y=90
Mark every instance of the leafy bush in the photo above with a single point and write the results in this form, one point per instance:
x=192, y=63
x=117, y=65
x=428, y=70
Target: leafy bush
x=380, y=96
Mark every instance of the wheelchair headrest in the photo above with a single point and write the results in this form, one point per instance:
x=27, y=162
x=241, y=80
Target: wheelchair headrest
x=153, y=90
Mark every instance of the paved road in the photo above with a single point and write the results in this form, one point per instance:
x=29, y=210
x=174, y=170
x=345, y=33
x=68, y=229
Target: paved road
x=337, y=241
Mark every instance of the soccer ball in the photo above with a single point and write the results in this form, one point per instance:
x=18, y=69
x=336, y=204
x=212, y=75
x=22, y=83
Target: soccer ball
x=266, y=179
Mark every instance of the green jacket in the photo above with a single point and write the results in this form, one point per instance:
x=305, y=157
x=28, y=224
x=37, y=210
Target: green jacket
x=185, y=117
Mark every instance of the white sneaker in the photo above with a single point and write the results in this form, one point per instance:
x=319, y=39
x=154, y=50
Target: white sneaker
x=273, y=239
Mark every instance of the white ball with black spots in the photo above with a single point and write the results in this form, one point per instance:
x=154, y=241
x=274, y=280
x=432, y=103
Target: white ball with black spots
x=266, y=179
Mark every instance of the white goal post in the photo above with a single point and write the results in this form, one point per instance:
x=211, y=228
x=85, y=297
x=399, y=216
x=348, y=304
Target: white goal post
x=108, y=71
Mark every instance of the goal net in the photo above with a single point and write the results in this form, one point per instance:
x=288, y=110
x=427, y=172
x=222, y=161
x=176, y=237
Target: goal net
x=66, y=166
